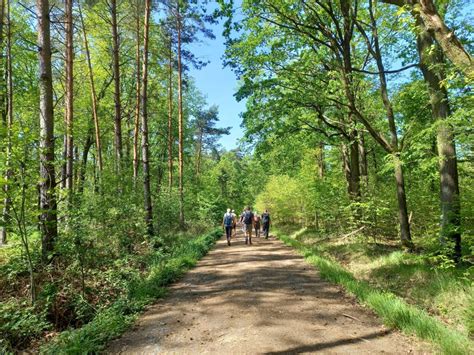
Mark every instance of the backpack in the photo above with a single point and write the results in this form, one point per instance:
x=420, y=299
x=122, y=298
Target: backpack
x=265, y=218
x=228, y=219
x=248, y=216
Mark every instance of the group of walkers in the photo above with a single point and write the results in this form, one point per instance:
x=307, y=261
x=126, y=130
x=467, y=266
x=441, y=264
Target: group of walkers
x=249, y=221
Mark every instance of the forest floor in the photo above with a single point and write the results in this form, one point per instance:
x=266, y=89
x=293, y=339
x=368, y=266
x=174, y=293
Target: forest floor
x=261, y=298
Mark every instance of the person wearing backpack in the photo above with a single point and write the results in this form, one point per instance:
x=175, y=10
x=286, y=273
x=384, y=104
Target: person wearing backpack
x=228, y=223
x=248, y=219
x=266, y=223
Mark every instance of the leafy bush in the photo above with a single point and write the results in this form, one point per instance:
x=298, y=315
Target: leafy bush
x=19, y=323
x=114, y=320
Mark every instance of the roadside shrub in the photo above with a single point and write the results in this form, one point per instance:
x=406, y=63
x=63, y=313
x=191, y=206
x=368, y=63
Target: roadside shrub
x=19, y=324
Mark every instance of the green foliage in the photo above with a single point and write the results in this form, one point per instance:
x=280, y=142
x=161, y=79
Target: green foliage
x=112, y=321
x=19, y=323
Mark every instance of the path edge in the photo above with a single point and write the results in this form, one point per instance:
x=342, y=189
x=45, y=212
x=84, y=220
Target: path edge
x=113, y=321
x=393, y=310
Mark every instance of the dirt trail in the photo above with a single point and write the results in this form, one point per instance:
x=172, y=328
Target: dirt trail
x=258, y=299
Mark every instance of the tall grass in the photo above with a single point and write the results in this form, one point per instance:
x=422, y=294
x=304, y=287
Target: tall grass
x=393, y=310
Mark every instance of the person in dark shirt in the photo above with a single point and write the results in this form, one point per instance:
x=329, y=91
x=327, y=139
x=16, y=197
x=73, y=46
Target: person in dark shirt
x=248, y=220
x=266, y=221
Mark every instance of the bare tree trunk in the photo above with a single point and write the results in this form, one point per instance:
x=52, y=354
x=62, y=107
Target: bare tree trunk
x=69, y=119
x=76, y=168
x=85, y=155
x=449, y=181
x=180, y=124
x=170, y=117
x=364, y=173
x=426, y=12
x=354, y=181
x=48, y=219
x=346, y=166
x=136, y=126
x=116, y=70
x=144, y=107
x=405, y=234
x=6, y=218
x=93, y=93
x=446, y=38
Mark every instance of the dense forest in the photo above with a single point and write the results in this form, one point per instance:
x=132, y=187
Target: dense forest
x=359, y=137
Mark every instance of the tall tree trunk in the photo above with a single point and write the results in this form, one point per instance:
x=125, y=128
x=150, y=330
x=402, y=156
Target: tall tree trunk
x=95, y=112
x=446, y=38
x=8, y=112
x=116, y=70
x=48, y=219
x=136, y=125
x=144, y=107
x=425, y=11
x=364, y=171
x=85, y=158
x=180, y=124
x=354, y=185
x=405, y=234
x=69, y=146
x=170, y=116
x=354, y=181
x=449, y=182
x=76, y=167
x=346, y=168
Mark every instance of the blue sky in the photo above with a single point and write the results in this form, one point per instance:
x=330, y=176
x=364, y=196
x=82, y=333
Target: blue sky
x=219, y=84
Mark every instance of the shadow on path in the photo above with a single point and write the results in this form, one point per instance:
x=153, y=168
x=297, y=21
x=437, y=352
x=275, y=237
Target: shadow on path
x=260, y=298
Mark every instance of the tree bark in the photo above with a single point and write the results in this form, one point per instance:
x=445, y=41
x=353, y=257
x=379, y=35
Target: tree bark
x=144, y=108
x=426, y=12
x=117, y=100
x=95, y=112
x=346, y=167
x=364, y=171
x=8, y=113
x=136, y=126
x=180, y=124
x=85, y=155
x=448, y=41
x=449, y=181
x=354, y=164
x=346, y=71
x=405, y=234
x=48, y=208
x=170, y=116
x=69, y=117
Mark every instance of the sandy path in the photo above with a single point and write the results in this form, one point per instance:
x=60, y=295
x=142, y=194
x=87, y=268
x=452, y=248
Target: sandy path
x=258, y=299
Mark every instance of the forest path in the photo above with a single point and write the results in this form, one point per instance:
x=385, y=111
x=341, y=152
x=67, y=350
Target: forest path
x=258, y=299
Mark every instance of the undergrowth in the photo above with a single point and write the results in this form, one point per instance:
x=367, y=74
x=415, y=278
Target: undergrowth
x=124, y=294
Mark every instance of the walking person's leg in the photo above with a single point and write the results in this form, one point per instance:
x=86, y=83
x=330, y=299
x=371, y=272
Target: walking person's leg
x=265, y=230
x=228, y=232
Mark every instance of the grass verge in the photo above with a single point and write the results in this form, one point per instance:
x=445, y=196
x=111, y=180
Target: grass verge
x=393, y=310
x=114, y=320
